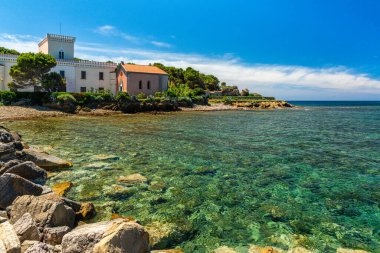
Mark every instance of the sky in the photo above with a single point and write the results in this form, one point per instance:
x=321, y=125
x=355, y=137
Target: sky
x=290, y=49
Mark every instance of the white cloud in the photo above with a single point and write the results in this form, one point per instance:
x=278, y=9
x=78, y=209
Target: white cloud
x=287, y=82
x=108, y=30
x=160, y=44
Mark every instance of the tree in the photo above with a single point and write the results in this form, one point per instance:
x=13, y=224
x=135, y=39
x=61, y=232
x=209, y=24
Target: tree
x=245, y=92
x=211, y=82
x=192, y=78
x=30, y=70
x=53, y=82
x=4, y=50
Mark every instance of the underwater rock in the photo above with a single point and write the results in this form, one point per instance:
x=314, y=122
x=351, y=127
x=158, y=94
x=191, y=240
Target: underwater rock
x=43, y=160
x=9, y=239
x=61, y=188
x=342, y=250
x=104, y=157
x=160, y=234
x=157, y=186
x=26, y=228
x=133, y=179
x=204, y=171
x=268, y=249
x=110, y=236
x=299, y=250
x=224, y=249
x=12, y=186
x=115, y=216
x=47, y=210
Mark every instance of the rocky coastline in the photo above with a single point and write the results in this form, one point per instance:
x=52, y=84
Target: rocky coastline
x=37, y=219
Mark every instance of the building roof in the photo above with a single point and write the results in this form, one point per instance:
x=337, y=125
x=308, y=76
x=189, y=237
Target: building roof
x=143, y=69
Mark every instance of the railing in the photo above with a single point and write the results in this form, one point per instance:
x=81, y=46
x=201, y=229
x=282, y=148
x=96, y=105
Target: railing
x=8, y=57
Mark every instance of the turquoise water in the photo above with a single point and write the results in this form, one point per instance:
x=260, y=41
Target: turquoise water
x=308, y=177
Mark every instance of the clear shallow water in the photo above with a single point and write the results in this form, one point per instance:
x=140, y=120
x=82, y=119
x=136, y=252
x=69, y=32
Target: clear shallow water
x=308, y=177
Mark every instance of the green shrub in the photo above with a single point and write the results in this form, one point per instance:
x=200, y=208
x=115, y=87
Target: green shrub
x=159, y=94
x=123, y=96
x=7, y=97
x=198, y=92
x=227, y=100
x=141, y=95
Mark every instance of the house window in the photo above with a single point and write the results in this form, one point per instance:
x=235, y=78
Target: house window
x=148, y=85
x=101, y=76
x=121, y=86
x=101, y=89
x=61, y=55
x=83, y=75
x=82, y=89
x=62, y=73
x=140, y=85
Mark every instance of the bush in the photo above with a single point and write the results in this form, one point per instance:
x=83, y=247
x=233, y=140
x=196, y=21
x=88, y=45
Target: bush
x=35, y=98
x=200, y=100
x=159, y=94
x=7, y=97
x=227, y=100
x=141, y=95
x=63, y=101
x=198, y=92
x=184, y=102
x=122, y=96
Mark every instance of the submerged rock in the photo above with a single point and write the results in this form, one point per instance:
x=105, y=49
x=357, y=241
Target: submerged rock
x=13, y=186
x=111, y=236
x=104, y=157
x=61, y=188
x=342, y=250
x=299, y=250
x=26, y=228
x=9, y=239
x=224, y=249
x=268, y=249
x=160, y=234
x=46, y=161
x=47, y=210
x=133, y=179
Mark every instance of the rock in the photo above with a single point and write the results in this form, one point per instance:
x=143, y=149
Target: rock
x=104, y=157
x=26, y=228
x=9, y=239
x=299, y=250
x=26, y=245
x=103, y=237
x=2, y=247
x=86, y=211
x=7, y=151
x=3, y=214
x=47, y=210
x=5, y=135
x=41, y=247
x=160, y=234
x=268, y=249
x=28, y=170
x=53, y=236
x=342, y=250
x=12, y=186
x=46, y=190
x=61, y=188
x=2, y=219
x=224, y=249
x=45, y=161
x=133, y=179
x=8, y=165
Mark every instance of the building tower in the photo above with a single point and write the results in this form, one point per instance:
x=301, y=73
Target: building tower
x=58, y=46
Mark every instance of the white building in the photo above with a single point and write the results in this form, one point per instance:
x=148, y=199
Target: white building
x=80, y=75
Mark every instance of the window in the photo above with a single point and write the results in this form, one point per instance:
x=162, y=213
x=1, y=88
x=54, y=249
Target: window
x=101, y=89
x=62, y=73
x=121, y=86
x=101, y=76
x=148, y=85
x=83, y=75
x=61, y=55
x=82, y=89
x=140, y=85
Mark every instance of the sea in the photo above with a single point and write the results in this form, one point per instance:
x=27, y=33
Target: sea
x=307, y=177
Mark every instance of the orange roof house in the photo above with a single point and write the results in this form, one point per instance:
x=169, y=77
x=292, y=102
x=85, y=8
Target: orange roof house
x=135, y=79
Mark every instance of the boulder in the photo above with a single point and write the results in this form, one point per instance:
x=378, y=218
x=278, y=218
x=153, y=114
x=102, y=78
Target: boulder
x=26, y=228
x=26, y=245
x=53, y=236
x=41, y=247
x=9, y=239
x=342, y=250
x=61, y=188
x=106, y=237
x=46, y=190
x=133, y=179
x=86, y=211
x=45, y=161
x=5, y=135
x=161, y=234
x=2, y=219
x=30, y=171
x=8, y=165
x=12, y=186
x=7, y=151
x=47, y=210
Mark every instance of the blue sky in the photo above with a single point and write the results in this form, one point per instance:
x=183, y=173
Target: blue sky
x=292, y=49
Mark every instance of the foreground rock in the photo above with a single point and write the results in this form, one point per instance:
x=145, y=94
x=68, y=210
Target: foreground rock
x=47, y=210
x=9, y=239
x=26, y=228
x=27, y=170
x=107, y=237
x=41, y=247
x=45, y=161
x=54, y=236
x=13, y=186
x=61, y=188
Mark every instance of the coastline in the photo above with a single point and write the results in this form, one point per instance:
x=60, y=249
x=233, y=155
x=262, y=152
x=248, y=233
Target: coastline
x=10, y=113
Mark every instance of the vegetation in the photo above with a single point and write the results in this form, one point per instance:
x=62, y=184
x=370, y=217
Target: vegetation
x=53, y=82
x=30, y=70
x=7, y=97
x=4, y=50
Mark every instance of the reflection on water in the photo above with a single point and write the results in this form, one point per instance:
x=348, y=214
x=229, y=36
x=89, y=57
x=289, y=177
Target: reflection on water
x=284, y=178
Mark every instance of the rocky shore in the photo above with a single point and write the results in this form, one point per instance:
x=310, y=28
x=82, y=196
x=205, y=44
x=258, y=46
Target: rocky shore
x=37, y=219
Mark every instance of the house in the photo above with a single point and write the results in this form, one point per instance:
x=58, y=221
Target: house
x=135, y=79
x=80, y=75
